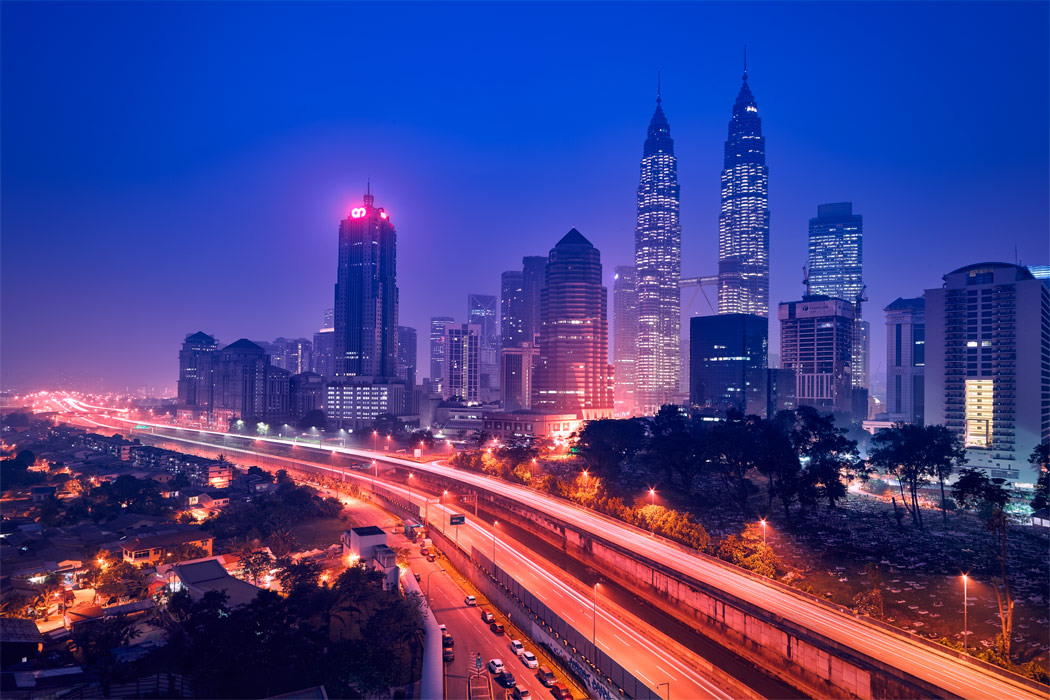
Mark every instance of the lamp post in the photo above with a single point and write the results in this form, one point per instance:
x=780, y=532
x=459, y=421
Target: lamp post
x=763, y=521
x=428, y=583
x=668, y=684
x=965, y=579
x=375, y=466
x=443, y=494
x=594, y=617
x=409, y=483
x=375, y=436
x=494, y=524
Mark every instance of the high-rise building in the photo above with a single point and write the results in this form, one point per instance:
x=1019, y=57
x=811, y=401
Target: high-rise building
x=835, y=269
x=987, y=352
x=241, y=386
x=462, y=365
x=406, y=355
x=517, y=366
x=658, y=268
x=512, y=309
x=905, y=360
x=328, y=319
x=728, y=357
x=306, y=394
x=482, y=311
x=816, y=343
x=625, y=340
x=743, y=225
x=533, y=277
x=437, y=349
x=366, y=295
x=196, y=368
x=292, y=354
x=324, y=353
x=573, y=374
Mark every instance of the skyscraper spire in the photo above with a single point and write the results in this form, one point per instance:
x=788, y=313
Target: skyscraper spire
x=745, y=62
x=657, y=87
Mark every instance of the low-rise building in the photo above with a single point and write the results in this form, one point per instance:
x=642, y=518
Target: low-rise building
x=147, y=551
x=200, y=577
x=513, y=425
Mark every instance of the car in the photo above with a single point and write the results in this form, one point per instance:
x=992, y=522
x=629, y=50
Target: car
x=430, y=557
x=546, y=676
x=442, y=628
x=486, y=616
x=517, y=647
x=470, y=600
x=559, y=691
x=448, y=655
x=418, y=577
x=529, y=659
x=424, y=551
x=447, y=640
x=507, y=679
x=522, y=693
x=496, y=627
x=496, y=666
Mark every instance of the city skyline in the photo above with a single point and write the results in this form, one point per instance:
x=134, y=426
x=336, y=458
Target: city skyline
x=270, y=193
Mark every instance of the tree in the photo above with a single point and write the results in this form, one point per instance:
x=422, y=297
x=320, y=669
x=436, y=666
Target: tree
x=898, y=451
x=777, y=459
x=421, y=436
x=728, y=450
x=1040, y=459
x=942, y=454
x=479, y=438
x=749, y=552
x=604, y=444
x=96, y=643
x=387, y=424
x=282, y=542
x=299, y=575
x=672, y=448
x=256, y=564
x=989, y=497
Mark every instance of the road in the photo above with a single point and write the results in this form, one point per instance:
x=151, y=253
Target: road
x=948, y=672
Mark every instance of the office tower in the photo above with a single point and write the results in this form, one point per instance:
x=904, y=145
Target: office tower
x=780, y=391
x=1040, y=272
x=306, y=394
x=533, y=277
x=328, y=319
x=727, y=358
x=324, y=353
x=512, y=309
x=573, y=374
x=241, y=370
x=625, y=340
x=517, y=366
x=437, y=349
x=835, y=269
x=816, y=342
x=355, y=402
x=905, y=359
x=658, y=267
x=366, y=294
x=743, y=225
x=461, y=376
x=406, y=355
x=987, y=352
x=196, y=367
x=482, y=312
x=292, y=354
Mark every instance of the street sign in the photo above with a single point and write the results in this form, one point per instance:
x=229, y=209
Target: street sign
x=477, y=662
x=457, y=519
x=142, y=427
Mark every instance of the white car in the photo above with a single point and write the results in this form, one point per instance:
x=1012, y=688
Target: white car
x=470, y=600
x=496, y=666
x=442, y=628
x=517, y=647
x=530, y=660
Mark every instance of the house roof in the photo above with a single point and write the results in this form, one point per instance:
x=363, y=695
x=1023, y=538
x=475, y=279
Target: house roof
x=316, y=693
x=900, y=303
x=169, y=539
x=16, y=630
x=243, y=344
x=573, y=237
x=200, y=337
x=199, y=572
x=368, y=530
x=209, y=575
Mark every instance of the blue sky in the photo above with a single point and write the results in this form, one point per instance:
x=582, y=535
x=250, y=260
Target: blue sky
x=173, y=167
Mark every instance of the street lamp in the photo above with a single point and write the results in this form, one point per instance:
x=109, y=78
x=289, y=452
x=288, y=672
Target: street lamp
x=443, y=494
x=965, y=579
x=494, y=524
x=375, y=436
x=594, y=617
x=428, y=583
x=652, y=497
x=763, y=521
x=375, y=466
x=668, y=684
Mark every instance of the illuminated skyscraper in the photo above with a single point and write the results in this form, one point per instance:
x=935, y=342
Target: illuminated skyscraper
x=406, y=355
x=196, y=370
x=437, y=349
x=482, y=311
x=365, y=343
x=625, y=340
x=743, y=225
x=573, y=371
x=512, y=309
x=658, y=265
x=835, y=269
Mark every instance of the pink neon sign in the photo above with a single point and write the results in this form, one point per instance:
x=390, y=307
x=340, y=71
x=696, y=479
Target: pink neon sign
x=358, y=212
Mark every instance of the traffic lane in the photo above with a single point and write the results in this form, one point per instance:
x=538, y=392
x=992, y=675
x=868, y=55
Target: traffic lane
x=471, y=635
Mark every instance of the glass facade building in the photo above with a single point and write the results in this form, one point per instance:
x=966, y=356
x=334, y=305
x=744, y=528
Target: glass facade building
x=728, y=356
x=905, y=360
x=625, y=340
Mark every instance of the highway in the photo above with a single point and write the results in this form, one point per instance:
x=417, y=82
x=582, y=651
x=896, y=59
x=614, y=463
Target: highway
x=952, y=674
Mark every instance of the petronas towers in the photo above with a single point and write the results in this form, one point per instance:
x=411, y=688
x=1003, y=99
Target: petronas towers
x=648, y=371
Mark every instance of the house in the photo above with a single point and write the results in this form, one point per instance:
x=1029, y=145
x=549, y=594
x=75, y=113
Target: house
x=147, y=551
x=201, y=577
x=214, y=500
x=81, y=615
x=1041, y=518
x=20, y=640
x=368, y=544
x=42, y=492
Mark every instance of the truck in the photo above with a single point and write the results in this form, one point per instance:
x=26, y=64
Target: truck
x=413, y=530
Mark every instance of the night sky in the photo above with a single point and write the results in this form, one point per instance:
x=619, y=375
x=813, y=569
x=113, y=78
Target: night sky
x=168, y=168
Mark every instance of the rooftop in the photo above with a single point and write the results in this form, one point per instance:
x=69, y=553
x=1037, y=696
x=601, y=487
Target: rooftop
x=368, y=531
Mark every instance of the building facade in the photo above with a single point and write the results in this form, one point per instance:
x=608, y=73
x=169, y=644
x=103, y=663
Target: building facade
x=816, y=343
x=625, y=340
x=437, y=348
x=658, y=268
x=728, y=362
x=573, y=374
x=241, y=370
x=324, y=346
x=462, y=366
x=533, y=279
x=743, y=225
x=517, y=368
x=512, y=309
x=306, y=394
x=482, y=311
x=196, y=370
x=905, y=360
x=366, y=295
x=836, y=269
x=355, y=402
x=406, y=355
x=987, y=372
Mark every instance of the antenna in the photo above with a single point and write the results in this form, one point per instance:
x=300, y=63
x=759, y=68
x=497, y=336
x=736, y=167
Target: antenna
x=805, y=278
